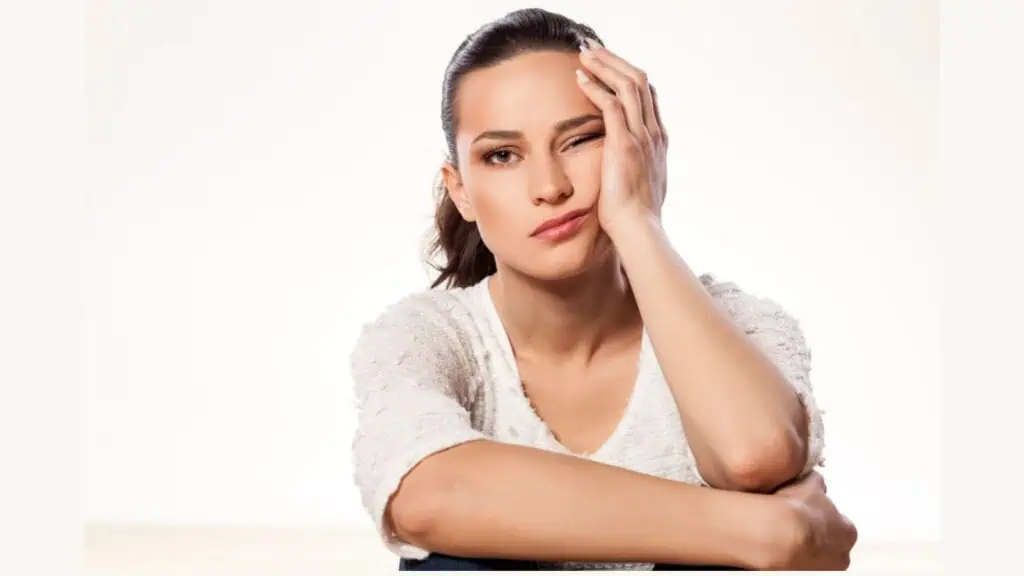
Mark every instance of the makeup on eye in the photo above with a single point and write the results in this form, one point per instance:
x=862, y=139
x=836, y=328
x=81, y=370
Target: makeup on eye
x=489, y=156
x=587, y=138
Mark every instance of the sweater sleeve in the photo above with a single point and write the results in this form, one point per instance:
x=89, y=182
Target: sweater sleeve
x=413, y=392
x=777, y=334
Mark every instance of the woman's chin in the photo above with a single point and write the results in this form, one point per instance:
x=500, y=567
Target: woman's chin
x=565, y=264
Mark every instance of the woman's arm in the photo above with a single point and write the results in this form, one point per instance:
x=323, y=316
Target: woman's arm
x=489, y=500
x=748, y=427
x=432, y=482
x=741, y=413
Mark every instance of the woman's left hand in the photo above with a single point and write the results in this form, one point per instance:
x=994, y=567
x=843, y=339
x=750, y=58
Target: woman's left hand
x=633, y=171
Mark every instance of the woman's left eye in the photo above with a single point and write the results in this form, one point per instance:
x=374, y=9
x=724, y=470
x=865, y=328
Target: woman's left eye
x=586, y=138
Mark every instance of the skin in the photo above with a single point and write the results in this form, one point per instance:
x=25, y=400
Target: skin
x=541, y=140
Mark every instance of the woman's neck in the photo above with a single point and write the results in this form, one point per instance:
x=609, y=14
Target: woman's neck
x=569, y=320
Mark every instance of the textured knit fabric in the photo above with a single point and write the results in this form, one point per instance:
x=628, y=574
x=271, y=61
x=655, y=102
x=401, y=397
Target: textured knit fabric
x=436, y=369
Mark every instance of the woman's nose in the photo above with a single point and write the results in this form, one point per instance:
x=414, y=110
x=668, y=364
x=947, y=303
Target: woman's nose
x=552, y=185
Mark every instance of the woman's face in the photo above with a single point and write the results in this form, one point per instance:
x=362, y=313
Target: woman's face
x=529, y=149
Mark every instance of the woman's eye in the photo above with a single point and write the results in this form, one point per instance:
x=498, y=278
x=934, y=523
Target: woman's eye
x=506, y=157
x=587, y=138
x=499, y=157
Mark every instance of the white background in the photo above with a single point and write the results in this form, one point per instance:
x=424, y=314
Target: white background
x=260, y=181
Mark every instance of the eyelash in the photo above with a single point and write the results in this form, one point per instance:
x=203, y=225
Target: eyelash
x=489, y=157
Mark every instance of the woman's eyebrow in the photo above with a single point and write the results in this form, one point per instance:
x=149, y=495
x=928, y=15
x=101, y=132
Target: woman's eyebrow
x=561, y=126
x=576, y=122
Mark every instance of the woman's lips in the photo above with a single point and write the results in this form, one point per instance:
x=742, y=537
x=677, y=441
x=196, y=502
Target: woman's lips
x=563, y=228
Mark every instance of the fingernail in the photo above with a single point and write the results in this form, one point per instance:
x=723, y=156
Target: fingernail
x=582, y=76
x=583, y=45
x=592, y=44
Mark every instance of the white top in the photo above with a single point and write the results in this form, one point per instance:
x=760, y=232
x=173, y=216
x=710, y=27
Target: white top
x=436, y=369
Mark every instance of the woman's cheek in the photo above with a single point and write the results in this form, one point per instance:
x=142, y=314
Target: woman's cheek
x=504, y=220
x=498, y=219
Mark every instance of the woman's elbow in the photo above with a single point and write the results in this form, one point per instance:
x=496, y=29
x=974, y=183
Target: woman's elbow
x=766, y=465
x=415, y=509
x=432, y=493
x=413, y=515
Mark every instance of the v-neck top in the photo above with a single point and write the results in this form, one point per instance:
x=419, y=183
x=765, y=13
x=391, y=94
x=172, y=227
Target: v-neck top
x=436, y=369
x=519, y=404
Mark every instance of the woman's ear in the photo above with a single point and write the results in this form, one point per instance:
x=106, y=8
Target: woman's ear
x=457, y=192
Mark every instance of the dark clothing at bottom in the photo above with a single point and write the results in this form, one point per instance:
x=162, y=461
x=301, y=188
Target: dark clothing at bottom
x=443, y=562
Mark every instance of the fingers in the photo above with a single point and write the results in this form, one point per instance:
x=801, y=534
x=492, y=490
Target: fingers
x=851, y=531
x=657, y=118
x=615, y=123
x=626, y=88
x=815, y=480
x=604, y=60
x=844, y=544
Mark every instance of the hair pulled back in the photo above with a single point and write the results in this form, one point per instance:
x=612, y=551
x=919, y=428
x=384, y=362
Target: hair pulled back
x=466, y=260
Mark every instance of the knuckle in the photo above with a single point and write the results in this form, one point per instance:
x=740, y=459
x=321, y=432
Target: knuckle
x=650, y=145
x=626, y=145
x=615, y=108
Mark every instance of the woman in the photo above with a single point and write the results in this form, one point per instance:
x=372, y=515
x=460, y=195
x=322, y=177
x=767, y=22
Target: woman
x=575, y=396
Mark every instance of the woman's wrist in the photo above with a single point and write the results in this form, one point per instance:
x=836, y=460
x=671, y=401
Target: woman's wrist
x=629, y=223
x=775, y=529
x=751, y=531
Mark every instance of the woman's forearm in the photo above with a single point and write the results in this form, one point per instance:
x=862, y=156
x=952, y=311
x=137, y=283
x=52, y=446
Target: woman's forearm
x=490, y=500
x=744, y=421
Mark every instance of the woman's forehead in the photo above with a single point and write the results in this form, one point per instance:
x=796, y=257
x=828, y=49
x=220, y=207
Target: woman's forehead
x=530, y=93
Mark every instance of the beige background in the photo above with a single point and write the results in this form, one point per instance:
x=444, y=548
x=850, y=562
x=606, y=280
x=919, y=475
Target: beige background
x=239, y=151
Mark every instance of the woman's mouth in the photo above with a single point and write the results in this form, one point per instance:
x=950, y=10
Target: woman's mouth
x=561, y=227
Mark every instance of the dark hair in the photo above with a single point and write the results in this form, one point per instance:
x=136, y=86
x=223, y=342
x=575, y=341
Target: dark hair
x=467, y=259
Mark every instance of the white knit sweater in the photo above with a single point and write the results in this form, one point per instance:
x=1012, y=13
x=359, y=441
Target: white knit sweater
x=436, y=370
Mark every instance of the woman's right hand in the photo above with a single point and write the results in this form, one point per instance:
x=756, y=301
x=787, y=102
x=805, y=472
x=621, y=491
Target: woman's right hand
x=820, y=537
